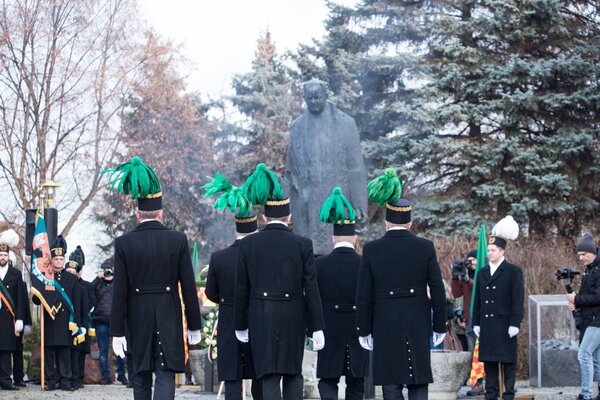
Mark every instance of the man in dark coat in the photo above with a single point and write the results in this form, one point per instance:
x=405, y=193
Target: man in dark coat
x=17, y=356
x=151, y=263
x=393, y=311
x=12, y=314
x=337, y=275
x=498, y=312
x=276, y=300
x=59, y=332
x=234, y=361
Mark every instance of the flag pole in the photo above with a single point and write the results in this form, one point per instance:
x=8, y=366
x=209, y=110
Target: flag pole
x=42, y=368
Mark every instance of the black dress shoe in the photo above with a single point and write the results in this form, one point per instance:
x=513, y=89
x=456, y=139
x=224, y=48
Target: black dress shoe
x=20, y=384
x=11, y=387
x=67, y=388
x=49, y=388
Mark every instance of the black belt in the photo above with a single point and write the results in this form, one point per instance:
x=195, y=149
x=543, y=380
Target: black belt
x=340, y=307
x=154, y=289
x=400, y=292
x=226, y=301
x=268, y=294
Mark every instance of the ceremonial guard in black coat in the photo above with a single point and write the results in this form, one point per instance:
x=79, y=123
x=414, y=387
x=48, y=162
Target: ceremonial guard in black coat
x=61, y=331
x=151, y=262
x=337, y=275
x=12, y=308
x=394, y=314
x=498, y=311
x=276, y=295
x=17, y=356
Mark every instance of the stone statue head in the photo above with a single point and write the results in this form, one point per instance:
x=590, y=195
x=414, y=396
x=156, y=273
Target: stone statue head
x=315, y=96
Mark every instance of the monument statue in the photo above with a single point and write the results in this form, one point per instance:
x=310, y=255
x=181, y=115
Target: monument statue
x=323, y=152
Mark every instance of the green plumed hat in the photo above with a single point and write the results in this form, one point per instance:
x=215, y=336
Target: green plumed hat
x=262, y=185
x=138, y=180
x=386, y=188
x=338, y=210
x=231, y=197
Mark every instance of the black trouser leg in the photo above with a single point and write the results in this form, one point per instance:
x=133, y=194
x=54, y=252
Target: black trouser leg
x=510, y=374
x=293, y=386
x=256, y=390
x=164, y=381
x=142, y=385
x=492, y=386
x=328, y=388
x=81, y=366
x=417, y=392
x=18, y=371
x=233, y=390
x=355, y=388
x=74, y=368
x=270, y=387
x=5, y=369
x=392, y=392
x=50, y=370
x=63, y=366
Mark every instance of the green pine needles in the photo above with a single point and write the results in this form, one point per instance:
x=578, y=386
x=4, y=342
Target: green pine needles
x=231, y=197
x=386, y=188
x=135, y=178
x=336, y=209
x=262, y=185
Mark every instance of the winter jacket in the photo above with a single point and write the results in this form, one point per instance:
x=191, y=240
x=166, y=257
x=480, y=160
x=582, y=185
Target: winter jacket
x=588, y=298
x=103, y=291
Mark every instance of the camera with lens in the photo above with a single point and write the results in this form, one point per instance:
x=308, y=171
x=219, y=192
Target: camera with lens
x=460, y=268
x=566, y=273
x=459, y=313
x=108, y=273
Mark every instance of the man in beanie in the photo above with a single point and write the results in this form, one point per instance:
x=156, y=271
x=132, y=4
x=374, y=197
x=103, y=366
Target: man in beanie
x=498, y=311
x=151, y=262
x=588, y=301
x=394, y=314
x=276, y=295
x=234, y=361
x=60, y=331
x=12, y=308
x=337, y=275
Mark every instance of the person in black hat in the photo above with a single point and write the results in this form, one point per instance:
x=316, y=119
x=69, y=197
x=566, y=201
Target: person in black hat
x=17, y=356
x=151, y=263
x=498, y=311
x=234, y=361
x=61, y=329
x=86, y=299
x=337, y=275
x=12, y=308
x=276, y=294
x=587, y=301
x=393, y=311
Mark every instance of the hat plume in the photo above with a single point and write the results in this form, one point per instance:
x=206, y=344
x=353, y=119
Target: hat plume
x=9, y=237
x=336, y=208
x=262, y=185
x=386, y=188
x=507, y=228
x=134, y=178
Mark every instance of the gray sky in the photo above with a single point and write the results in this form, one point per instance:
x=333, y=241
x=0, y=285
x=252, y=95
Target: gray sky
x=219, y=37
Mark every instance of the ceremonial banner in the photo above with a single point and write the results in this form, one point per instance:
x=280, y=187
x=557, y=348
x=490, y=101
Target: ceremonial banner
x=41, y=264
x=476, y=366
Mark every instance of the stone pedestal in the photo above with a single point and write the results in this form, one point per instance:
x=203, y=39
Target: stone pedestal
x=309, y=373
x=197, y=361
x=450, y=370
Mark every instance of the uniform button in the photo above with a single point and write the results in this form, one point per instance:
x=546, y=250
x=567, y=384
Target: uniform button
x=222, y=300
x=491, y=315
x=486, y=315
x=406, y=342
x=391, y=292
x=265, y=294
x=137, y=290
x=336, y=306
x=492, y=301
x=409, y=352
x=412, y=290
x=354, y=307
x=410, y=367
x=163, y=364
x=161, y=353
x=157, y=332
x=168, y=289
x=494, y=287
x=486, y=302
x=487, y=287
x=287, y=295
x=357, y=328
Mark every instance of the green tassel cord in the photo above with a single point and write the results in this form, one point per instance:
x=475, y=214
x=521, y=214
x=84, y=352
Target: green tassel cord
x=336, y=208
x=231, y=197
x=135, y=178
x=386, y=188
x=262, y=185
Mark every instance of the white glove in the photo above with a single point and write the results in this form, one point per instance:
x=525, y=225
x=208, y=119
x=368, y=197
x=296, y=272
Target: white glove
x=75, y=331
x=27, y=330
x=18, y=326
x=242, y=336
x=513, y=331
x=194, y=337
x=318, y=340
x=476, y=329
x=119, y=345
x=438, y=338
x=366, y=342
x=83, y=331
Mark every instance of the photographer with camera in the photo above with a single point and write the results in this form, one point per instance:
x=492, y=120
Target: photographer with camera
x=463, y=273
x=103, y=290
x=588, y=302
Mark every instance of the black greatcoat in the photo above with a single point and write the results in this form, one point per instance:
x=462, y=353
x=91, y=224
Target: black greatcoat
x=499, y=303
x=87, y=302
x=337, y=274
x=56, y=331
x=235, y=358
x=277, y=298
x=150, y=262
x=392, y=305
x=14, y=285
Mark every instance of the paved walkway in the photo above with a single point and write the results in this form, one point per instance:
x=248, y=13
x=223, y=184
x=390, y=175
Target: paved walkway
x=118, y=392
